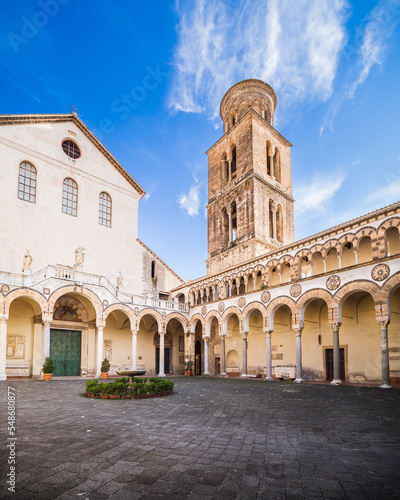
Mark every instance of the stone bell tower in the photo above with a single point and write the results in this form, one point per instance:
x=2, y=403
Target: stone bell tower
x=250, y=204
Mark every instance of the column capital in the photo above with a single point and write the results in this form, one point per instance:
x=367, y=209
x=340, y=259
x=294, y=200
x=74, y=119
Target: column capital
x=162, y=333
x=100, y=323
x=244, y=334
x=47, y=317
x=298, y=330
x=383, y=323
x=134, y=331
x=268, y=332
x=222, y=335
x=335, y=326
x=3, y=317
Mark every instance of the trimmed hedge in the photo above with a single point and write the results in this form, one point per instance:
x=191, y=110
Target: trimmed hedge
x=121, y=387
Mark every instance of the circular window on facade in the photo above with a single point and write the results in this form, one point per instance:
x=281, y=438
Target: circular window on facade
x=71, y=149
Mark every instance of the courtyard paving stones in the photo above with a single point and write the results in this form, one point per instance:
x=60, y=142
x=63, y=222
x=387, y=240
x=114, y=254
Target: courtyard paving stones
x=213, y=439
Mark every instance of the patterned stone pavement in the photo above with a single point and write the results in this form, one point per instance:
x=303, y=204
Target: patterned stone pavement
x=213, y=439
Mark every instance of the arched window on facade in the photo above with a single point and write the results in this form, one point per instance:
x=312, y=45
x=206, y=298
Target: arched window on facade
x=153, y=269
x=266, y=115
x=258, y=280
x=271, y=218
x=234, y=221
x=279, y=224
x=285, y=272
x=242, y=286
x=317, y=263
x=365, y=250
x=392, y=241
x=70, y=197
x=268, y=150
x=274, y=276
x=105, y=206
x=233, y=164
x=277, y=165
x=305, y=267
x=348, y=255
x=332, y=260
x=225, y=226
x=27, y=182
x=225, y=169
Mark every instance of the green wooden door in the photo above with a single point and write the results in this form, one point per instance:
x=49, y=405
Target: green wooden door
x=65, y=351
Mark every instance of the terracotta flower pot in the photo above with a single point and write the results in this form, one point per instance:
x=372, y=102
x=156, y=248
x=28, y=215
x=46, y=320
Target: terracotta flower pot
x=188, y=373
x=104, y=376
x=47, y=376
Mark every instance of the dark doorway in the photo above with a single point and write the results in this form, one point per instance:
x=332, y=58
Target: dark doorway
x=217, y=366
x=329, y=364
x=197, y=358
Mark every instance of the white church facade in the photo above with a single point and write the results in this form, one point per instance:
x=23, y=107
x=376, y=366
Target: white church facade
x=323, y=308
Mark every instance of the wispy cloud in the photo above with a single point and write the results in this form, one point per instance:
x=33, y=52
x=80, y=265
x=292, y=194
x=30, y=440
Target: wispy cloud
x=375, y=32
x=389, y=193
x=314, y=197
x=219, y=43
x=191, y=202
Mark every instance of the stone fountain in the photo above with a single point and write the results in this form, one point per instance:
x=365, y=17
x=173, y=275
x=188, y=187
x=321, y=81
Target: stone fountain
x=131, y=374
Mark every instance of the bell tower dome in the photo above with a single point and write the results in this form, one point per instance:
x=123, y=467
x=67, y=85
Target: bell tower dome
x=250, y=204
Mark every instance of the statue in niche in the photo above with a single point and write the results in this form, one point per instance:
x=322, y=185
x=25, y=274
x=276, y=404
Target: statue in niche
x=79, y=256
x=120, y=280
x=27, y=262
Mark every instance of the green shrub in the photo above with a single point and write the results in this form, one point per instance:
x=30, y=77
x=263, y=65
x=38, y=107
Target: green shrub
x=48, y=366
x=93, y=387
x=120, y=388
x=154, y=379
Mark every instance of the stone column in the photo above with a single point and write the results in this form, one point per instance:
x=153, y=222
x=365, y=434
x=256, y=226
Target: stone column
x=385, y=355
x=46, y=339
x=161, y=361
x=134, y=349
x=269, y=377
x=206, y=372
x=99, y=350
x=3, y=346
x=244, y=369
x=223, y=359
x=336, y=354
x=324, y=265
x=271, y=159
x=229, y=170
x=356, y=254
x=230, y=226
x=299, y=369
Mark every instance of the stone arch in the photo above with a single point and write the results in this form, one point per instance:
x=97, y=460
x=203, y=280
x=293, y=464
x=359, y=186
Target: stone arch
x=318, y=248
x=274, y=305
x=388, y=289
x=333, y=243
x=180, y=317
x=20, y=293
x=151, y=312
x=227, y=314
x=347, y=238
x=360, y=286
x=365, y=231
x=309, y=296
x=253, y=306
x=91, y=296
x=193, y=320
x=287, y=258
x=305, y=252
x=123, y=308
x=392, y=222
x=209, y=318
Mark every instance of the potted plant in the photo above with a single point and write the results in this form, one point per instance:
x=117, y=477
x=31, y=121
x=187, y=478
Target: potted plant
x=105, y=368
x=188, y=369
x=48, y=368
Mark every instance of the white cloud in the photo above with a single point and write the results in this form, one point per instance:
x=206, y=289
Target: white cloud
x=146, y=196
x=379, y=26
x=314, y=197
x=191, y=202
x=295, y=46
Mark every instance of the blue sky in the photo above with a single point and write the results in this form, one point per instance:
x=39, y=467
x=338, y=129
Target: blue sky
x=148, y=77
